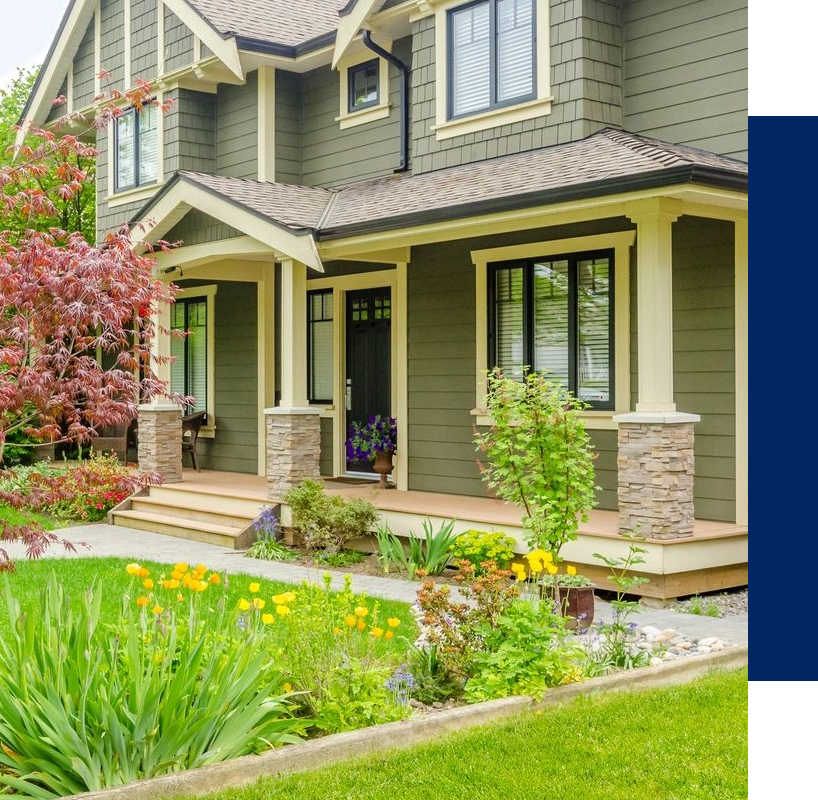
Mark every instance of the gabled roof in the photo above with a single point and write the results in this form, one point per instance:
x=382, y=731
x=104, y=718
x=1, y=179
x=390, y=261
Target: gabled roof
x=608, y=162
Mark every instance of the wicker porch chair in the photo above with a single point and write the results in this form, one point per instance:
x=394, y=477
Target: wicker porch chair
x=191, y=425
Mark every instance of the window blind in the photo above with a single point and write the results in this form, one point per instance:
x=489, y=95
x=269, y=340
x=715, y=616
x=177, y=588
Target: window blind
x=515, y=49
x=471, y=59
x=320, y=346
x=551, y=310
x=148, y=145
x=197, y=355
x=509, y=321
x=125, y=152
x=593, y=301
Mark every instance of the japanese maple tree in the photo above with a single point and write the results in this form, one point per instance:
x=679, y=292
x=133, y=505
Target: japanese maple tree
x=64, y=302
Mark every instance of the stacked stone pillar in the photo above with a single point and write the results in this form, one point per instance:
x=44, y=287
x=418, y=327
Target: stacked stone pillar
x=293, y=448
x=656, y=466
x=160, y=441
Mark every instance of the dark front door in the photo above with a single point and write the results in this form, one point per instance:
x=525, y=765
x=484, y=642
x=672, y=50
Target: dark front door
x=368, y=359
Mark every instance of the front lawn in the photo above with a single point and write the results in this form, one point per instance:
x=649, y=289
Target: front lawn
x=682, y=743
x=14, y=516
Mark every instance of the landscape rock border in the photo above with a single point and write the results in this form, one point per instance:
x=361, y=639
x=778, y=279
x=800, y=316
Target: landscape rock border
x=379, y=739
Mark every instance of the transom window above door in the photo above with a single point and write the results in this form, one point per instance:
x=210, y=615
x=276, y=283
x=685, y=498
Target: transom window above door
x=136, y=148
x=491, y=55
x=556, y=315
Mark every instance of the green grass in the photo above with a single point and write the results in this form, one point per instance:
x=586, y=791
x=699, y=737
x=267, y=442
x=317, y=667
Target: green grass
x=14, y=516
x=77, y=574
x=682, y=743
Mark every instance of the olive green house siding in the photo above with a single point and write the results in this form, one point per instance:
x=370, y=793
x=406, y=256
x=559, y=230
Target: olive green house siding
x=237, y=129
x=585, y=84
x=288, y=127
x=685, y=72
x=144, y=29
x=112, y=50
x=327, y=448
x=178, y=43
x=235, y=445
x=84, y=70
x=704, y=355
x=330, y=156
x=190, y=132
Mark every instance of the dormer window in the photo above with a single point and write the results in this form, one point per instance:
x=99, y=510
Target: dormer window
x=136, y=148
x=492, y=55
x=364, y=85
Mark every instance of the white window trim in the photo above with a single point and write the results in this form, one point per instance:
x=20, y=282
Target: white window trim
x=621, y=242
x=209, y=293
x=350, y=119
x=540, y=106
x=138, y=193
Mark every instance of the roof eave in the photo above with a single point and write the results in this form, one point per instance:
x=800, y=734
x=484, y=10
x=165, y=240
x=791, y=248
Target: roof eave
x=708, y=176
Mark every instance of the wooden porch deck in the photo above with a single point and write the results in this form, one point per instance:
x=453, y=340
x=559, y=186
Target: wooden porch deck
x=713, y=558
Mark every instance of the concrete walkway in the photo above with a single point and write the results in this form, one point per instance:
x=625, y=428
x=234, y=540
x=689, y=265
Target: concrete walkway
x=105, y=540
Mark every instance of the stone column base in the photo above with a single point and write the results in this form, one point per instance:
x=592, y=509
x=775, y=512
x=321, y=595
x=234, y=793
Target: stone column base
x=655, y=465
x=160, y=441
x=293, y=448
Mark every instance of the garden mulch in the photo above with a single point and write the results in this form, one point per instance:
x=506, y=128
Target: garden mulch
x=107, y=540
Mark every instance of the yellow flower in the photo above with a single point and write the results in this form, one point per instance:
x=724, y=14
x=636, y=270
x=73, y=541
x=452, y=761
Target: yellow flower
x=288, y=687
x=142, y=572
x=157, y=609
x=336, y=630
x=351, y=620
x=180, y=599
x=279, y=599
x=132, y=569
x=254, y=587
x=521, y=576
x=571, y=570
x=282, y=610
x=289, y=597
x=267, y=619
x=258, y=603
x=377, y=632
x=536, y=566
x=393, y=622
x=180, y=568
x=215, y=578
x=360, y=611
x=361, y=624
x=198, y=586
x=388, y=635
x=187, y=580
x=244, y=605
x=176, y=575
x=148, y=583
x=201, y=569
x=552, y=569
x=173, y=583
x=142, y=601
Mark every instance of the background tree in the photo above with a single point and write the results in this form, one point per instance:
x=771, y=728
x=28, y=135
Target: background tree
x=72, y=213
x=64, y=301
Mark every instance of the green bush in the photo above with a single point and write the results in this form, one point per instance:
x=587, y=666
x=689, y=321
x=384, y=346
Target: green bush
x=481, y=547
x=428, y=555
x=84, y=705
x=328, y=522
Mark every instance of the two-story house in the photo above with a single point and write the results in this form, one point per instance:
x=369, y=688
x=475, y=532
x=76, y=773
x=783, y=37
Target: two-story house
x=380, y=200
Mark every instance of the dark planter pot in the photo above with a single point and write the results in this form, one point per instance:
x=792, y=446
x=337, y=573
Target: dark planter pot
x=43, y=452
x=576, y=602
x=383, y=466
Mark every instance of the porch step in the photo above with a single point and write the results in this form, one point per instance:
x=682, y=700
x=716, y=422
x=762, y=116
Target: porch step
x=197, y=530
x=188, y=509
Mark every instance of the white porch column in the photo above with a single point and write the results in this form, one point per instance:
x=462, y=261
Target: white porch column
x=293, y=427
x=160, y=421
x=655, y=460
x=742, y=374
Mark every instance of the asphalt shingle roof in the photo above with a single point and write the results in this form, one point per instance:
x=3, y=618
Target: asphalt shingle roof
x=287, y=22
x=534, y=177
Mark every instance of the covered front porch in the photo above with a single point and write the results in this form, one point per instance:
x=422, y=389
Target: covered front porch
x=713, y=558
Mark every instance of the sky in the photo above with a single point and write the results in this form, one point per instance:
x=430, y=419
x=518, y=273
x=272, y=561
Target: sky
x=28, y=26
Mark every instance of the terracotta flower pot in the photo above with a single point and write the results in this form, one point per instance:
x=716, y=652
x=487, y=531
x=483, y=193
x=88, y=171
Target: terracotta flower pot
x=383, y=465
x=577, y=604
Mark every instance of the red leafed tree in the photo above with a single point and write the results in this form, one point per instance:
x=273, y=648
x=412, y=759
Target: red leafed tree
x=63, y=302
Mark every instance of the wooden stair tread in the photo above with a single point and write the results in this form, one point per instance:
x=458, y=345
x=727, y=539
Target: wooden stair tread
x=192, y=506
x=180, y=522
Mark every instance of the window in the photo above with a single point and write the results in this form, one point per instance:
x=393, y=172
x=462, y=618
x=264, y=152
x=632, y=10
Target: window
x=136, y=148
x=556, y=315
x=319, y=346
x=363, y=81
x=491, y=55
x=188, y=373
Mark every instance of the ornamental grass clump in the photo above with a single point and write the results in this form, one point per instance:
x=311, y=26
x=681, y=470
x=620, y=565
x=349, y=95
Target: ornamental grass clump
x=539, y=456
x=180, y=681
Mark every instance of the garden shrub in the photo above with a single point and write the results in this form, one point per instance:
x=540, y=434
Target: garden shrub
x=480, y=547
x=539, y=456
x=327, y=522
x=179, y=682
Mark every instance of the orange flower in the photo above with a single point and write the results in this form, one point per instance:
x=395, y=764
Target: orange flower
x=336, y=630
x=142, y=572
x=171, y=584
x=388, y=635
x=148, y=583
x=361, y=625
x=215, y=578
x=376, y=632
x=142, y=601
x=157, y=609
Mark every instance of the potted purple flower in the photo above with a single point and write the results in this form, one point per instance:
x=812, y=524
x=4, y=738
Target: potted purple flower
x=374, y=441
